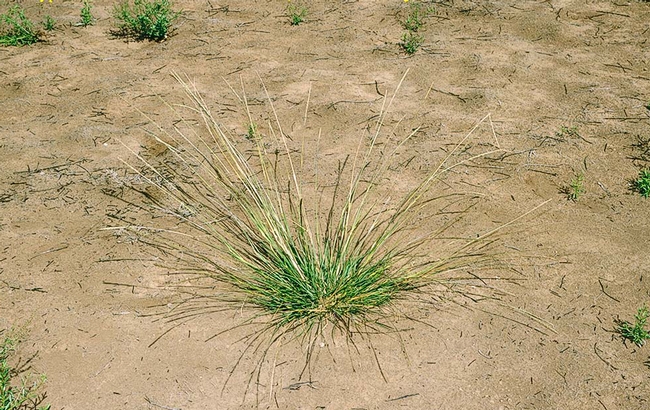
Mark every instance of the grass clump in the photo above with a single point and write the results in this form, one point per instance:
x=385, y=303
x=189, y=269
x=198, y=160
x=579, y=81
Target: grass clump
x=642, y=183
x=307, y=258
x=145, y=19
x=16, y=29
x=86, y=14
x=635, y=332
x=14, y=395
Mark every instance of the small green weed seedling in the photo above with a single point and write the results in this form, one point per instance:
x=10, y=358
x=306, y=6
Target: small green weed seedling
x=647, y=106
x=24, y=394
x=416, y=14
x=145, y=19
x=297, y=12
x=16, y=29
x=252, y=134
x=642, y=183
x=49, y=23
x=411, y=42
x=566, y=132
x=576, y=188
x=86, y=14
x=635, y=333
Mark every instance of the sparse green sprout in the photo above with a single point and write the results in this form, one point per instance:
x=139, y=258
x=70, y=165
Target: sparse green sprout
x=576, y=188
x=145, y=19
x=49, y=23
x=647, y=106
x=16, y=29
x=411, y=42
x=252, y=133
x=566, y=132
x=87, y=18
x=416, y=14
x=24, y=394
x=297, y=12
x=636, y=332
x=642, y=183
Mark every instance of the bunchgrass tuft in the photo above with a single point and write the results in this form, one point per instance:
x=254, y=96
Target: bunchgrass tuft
x=330, y=255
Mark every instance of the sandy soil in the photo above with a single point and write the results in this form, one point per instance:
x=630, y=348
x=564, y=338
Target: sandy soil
x=67, y=105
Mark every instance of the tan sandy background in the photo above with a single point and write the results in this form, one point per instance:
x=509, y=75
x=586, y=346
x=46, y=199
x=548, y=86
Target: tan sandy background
x=67, y=102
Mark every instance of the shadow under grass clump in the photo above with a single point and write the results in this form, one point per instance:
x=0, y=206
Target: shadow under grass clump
x=309, y=259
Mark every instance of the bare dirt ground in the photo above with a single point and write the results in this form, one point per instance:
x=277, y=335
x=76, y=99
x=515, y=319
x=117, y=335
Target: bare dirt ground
x=535, y=66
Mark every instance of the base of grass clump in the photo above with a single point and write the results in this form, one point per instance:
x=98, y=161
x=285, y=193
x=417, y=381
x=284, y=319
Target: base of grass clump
x=307, y=257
